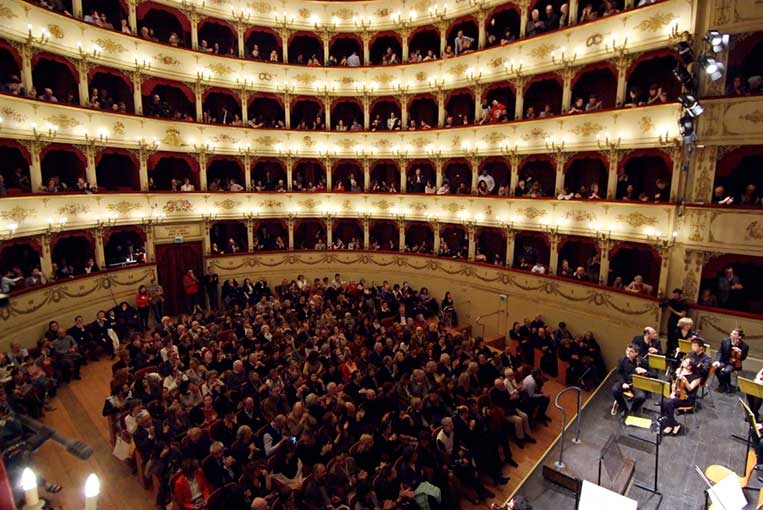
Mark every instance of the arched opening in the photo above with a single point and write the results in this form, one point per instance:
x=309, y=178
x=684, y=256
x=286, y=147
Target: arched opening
x=14, y=167
x=123, y=246
x=385, y=177
x=386, y=48
x=269, y=174
x=719, y=276
x=384, y=235
x=585, y=176
x=501, y=101
x=172, y=171
x=22, y=256
x=463, y=35
x=551, y=17
x=117, y=170
x=543, y=96
x=490, y=246
x=347, y=234
x=531, y=252
x=745, y=62
x=420, y=174
x=458, y=173
x=218, y=37
x=305, y=48
x=112, y=12
x=271, y=235
x=503, y=24
x=649, y=172
x=307, y=113
x=163, y=24
x=347, y=175
x=738, y=174
x=266, y=111
x=111, y=90
x=61, y=6
x=310, y=235
x=309, y=175
x=459, y=108
x=649, y=73
x=596, y=86
x=422, y=112
x=221, y=106
x=494, y=178
x=454, y=242
x=263, y=44
x=385, y=114
x=70, y=252
x=168, y=99
x=345, y=112
x=537, y=177
x=419, y=238
x=10, y=69
x=55, y=78
x=629, y=260
x=579, y=259
x=424, y=41
x=62, y=167
x=228, y=237
x=343, y=45
x=225, y=173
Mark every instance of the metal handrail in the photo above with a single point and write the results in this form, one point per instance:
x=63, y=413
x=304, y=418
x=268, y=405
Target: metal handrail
x=575, y=440
x=480, y=317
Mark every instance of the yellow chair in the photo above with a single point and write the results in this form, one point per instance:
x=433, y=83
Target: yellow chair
x=715, y=472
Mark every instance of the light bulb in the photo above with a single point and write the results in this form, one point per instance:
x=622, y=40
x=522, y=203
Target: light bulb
x=92, y=486
x=28, y=480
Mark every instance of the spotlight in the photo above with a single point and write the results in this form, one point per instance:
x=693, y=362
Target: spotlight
x=683, y=76
x=712, y=67
x=717, y=41
x=685, y=52
x=686, y=125
x=692, y=106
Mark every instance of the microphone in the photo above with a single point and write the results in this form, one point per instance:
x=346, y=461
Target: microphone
x=43, y=433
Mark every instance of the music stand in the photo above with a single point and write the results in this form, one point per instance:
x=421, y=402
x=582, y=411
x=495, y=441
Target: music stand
x=748, y=387
x=651, y=385
x=753, y=429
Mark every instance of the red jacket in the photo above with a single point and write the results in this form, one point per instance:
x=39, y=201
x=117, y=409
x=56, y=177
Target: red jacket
x=182, y=491
x=142, y=300
x=190, y=285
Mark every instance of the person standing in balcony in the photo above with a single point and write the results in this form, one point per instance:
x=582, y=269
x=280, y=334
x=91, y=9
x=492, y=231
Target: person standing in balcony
x=460, y=42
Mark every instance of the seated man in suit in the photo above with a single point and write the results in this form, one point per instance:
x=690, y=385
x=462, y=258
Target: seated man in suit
x=632, y=363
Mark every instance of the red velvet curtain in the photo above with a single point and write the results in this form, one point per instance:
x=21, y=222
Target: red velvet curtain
x=173, y=260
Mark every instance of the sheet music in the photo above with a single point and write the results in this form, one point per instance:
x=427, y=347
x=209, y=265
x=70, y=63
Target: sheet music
x=728, y=494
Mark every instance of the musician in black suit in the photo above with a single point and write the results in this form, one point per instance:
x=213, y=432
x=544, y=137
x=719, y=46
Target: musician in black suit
x=732, y=348
x=699, y=358
x=629, y=365
x=648, y=342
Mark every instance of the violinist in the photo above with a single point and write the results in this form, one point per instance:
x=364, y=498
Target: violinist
x=732, y=353
x=699, y=357
x=629, y=365
x=683, y=392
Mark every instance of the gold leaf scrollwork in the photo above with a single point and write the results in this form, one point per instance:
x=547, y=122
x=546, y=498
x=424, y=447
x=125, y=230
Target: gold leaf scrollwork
x=264, y=76
x=172, y=137
x=63, y=121
x=118, y=128
x=260, y=7
x=454, y=208
x=304, y=78
x=755, y=116
x=10, y=113
x=532, y=213
x=543, y=51
x=17, y=214
x=383, y=12
x=458, y=70
x=167, y=60
x=73, y=209
x=173, y=206
x=754, y=230
x=55, y=31
x=123, y=207
x=587, y=129
x=226, y=204
x=109, y=46
x=309, y=204
x=224, y=139
x=421, y=76
x=264, y=141
x=271, y=204
x=534, y=133
x=6, y=12
x=220, y=69
x=382, y=205
x=655, y=22
x=344, y=13
x=646, y=125
x=579, y=216
x=636, y=220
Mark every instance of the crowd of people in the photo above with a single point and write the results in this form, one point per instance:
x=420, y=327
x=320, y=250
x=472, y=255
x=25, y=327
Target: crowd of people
x=310, y=394
x=746, y=195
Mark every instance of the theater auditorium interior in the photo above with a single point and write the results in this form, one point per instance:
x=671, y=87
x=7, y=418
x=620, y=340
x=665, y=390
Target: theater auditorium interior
x=381, y=255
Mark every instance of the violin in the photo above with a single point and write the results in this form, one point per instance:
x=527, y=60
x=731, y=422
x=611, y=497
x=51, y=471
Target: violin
x=736, y=357
x=680, y=386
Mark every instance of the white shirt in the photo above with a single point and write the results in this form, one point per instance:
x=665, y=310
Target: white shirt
x=353, y=60
x=187, y=187
x=539, y=269
x=488, y=180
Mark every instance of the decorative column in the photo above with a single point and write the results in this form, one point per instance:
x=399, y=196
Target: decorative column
x=77, y=8
x=27, y=51
x=244, y=95
x=573, y=13
x=561, y=160
x=82, y=86
x=519, y=101
x=438, y=168
x=622, y=61
x=401, y=234
x=250, y=232
x=132, y=15
x=46, y=258
x=202, y=150
x=514, y=161
x=193, y=17
x=665, y=252
x=286, y=98
x=629, y=4
x=442, y=26
x=511, y=236
x=402, y=165
x=327, y=109
x=404, y=33
x=610, y=149
x=366, y=232
x=436, y=241
x=366, y=101
x=403, y=98
x=605, y=245
x=289, y=173
x=207, y=241
x=329, y=231
x=676, y=153
x=241, y=18
x=365, y=36
x=285, y=33
x=137, y=91
x=247, y=160
x=471, y=232
x=553, y=236
x=567, y=74
x=150, y=252
x=702, y=173
x=290, y=223
x=100, y=254
x=34, y=146
x=694, y=261
x=481, y=28
x=475, y=164
x=198, y=89
x=90, y=174
x=523, y=5
x=478, y=90
x=440, y=94
x=145, y=149
x=325, y=35
x=329, y=174
x=366, y=175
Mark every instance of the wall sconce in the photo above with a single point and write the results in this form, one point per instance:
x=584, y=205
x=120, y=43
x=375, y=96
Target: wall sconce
x=325, y=88
x=402, y=88
x=244, y=83
x=400, y=152
x=242, y=14
x=329, y=215
x=474, y=75
x=508, y=150
x=326, y=27
x=48, y=135
x=10, y=230
x=286, y=88
x=618, y=48
x=606, y=143
x=203, y=75
x=666, y=139
x=86, y=55
x=439, y=11
x=292, y=215
x=553, y=145
x=399, y=215
x=551, y=229
x=602, y=235
x=434, y=152
x=142, y=64
x=513, y=68
x=402, y=21
x=56, y=225
x=362, y=23
x=148, y=146
x=209, y=215
x=252, y=213
x=39, y=40
x=661, y=240
x=102, y=138
x=564, y=58
x=92, y=491
x=244, y=150
x=107, y=221
x=154, y=218
x=283, y=20
x=203, y=148
x=437, y=82
x=32, y=499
